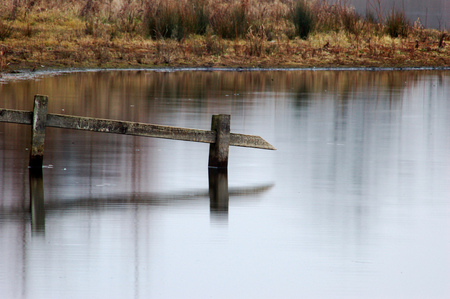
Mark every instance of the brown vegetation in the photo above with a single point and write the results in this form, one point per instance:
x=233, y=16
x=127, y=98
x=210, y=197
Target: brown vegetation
x=38, y=34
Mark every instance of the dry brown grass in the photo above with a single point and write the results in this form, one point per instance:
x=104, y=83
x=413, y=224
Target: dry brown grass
x=236, y=33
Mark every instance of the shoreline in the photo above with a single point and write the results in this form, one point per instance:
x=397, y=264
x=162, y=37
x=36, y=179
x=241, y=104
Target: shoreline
x=319, y=52
x=27, y=74
x=23, y=74
x=400, y=55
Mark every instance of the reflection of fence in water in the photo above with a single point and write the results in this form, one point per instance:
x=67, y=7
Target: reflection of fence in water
x=219, y=138
x=218, y=195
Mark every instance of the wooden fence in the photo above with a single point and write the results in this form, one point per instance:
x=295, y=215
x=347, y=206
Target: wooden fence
x=219, y=137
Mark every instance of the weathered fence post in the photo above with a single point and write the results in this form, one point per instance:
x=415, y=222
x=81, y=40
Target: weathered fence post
x=38, y=131
x=218, y=151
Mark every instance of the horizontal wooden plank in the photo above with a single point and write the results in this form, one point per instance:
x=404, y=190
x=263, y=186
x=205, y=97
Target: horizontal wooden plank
x=129, y=128
x=16, y=116
x=132, y=128
x=250, y=141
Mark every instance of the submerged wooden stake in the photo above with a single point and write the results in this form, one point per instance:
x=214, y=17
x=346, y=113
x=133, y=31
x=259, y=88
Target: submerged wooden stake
x=38, y=131
x=218, y=151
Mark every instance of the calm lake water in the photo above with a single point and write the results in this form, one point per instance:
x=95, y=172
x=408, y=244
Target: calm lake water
x=355, y=203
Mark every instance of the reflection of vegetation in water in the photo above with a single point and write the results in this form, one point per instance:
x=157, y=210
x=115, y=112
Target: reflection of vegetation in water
x=158, y=97
x=302, y=90
x=108, y=94
x=153, y=97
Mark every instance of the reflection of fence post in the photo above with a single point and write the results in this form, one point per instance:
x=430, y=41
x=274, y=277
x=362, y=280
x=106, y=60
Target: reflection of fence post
x=38, y=131
x=218, y=151
x=37, y=200
x=218, y=190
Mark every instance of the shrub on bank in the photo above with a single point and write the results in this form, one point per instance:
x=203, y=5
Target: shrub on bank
x=175, y=19
x=231, y=21
x=303, y=18
x=397, y=24
x=5, y=30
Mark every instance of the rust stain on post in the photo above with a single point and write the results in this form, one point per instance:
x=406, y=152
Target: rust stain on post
x=38, y=131
x=218, y=151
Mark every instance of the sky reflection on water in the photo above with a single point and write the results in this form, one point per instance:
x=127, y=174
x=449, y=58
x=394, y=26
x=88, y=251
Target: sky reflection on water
x=354, y=203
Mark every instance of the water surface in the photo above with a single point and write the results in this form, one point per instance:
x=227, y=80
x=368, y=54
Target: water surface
x=353, y=204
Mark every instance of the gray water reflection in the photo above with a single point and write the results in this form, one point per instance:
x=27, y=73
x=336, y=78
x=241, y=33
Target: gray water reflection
x=354, y=203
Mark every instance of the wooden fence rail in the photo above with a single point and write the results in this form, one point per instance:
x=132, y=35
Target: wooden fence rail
x=219, y=137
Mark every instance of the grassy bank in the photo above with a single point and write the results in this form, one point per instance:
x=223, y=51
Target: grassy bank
x=36, y=34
